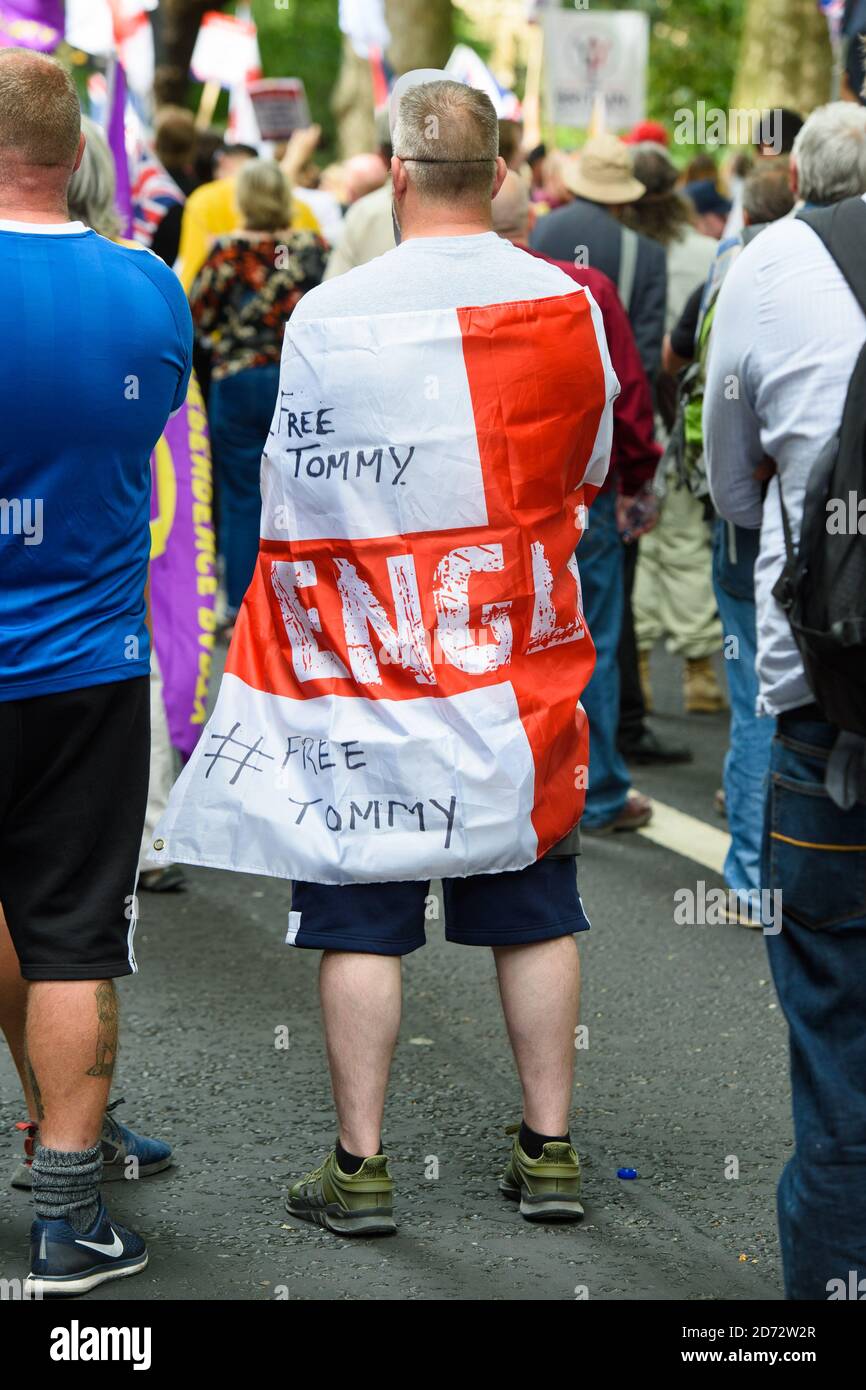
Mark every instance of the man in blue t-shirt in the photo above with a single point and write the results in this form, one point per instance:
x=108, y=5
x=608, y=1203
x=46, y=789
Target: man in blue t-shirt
x=96, y=345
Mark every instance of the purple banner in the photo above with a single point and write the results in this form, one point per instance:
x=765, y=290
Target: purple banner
x=183, y=580
x=115, y=134
x=31, y=24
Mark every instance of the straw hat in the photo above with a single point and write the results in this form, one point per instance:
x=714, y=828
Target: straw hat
x=602, y=172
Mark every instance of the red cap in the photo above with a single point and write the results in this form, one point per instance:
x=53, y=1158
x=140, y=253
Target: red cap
x=647, y=130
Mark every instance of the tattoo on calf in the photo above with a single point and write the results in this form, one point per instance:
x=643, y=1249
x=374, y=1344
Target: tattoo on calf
x=106, y=1042
x=34, y=1086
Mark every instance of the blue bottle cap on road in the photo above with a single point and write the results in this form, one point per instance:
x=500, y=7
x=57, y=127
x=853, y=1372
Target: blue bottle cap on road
x=626, y=1173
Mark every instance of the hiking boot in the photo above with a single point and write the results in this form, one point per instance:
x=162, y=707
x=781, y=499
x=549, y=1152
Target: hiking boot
x=643, y=670
x=702, y=693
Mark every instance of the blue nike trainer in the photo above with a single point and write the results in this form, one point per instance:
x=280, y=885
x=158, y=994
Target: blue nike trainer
x=124, y=1153
x=66, y=1261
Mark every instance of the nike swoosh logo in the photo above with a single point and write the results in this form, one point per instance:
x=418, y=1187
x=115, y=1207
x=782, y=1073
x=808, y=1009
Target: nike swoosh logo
x=114, y=1249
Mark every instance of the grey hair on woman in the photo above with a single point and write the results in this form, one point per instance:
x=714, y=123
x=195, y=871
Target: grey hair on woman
x=93, y=185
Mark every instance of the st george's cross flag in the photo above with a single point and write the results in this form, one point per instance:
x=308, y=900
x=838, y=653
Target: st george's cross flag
x=401, y=697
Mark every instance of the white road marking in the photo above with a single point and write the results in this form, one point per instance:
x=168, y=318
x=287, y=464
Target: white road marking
x=686, y=835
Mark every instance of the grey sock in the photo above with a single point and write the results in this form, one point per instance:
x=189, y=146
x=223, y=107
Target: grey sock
x=66, y=1185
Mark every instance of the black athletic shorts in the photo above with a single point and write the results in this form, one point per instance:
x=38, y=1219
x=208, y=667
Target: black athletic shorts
x=73, y=793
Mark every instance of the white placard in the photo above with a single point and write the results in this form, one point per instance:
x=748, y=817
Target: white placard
x=591, y=55
x=226, y=50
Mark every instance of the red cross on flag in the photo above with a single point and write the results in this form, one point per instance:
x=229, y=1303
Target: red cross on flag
x=402, y=693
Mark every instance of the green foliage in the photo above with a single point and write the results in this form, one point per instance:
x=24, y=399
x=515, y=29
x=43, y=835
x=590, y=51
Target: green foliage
x=465, y=31
x=302, y=39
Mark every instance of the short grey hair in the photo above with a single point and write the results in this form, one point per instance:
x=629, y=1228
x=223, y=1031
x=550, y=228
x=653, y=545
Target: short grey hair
x=448, y=136
x=830, y=153
x=93, y=186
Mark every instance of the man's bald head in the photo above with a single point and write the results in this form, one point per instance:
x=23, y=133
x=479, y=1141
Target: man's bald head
x=511, y=209
x=40, y=115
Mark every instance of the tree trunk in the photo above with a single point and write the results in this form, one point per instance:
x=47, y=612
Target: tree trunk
x=422, y=33
x=176, y=24
x=785, y=57
x=352, y=104
x=422, y=36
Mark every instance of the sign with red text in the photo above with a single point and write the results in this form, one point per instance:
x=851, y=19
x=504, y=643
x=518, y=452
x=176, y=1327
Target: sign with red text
x=226, y=50
x=281, y=107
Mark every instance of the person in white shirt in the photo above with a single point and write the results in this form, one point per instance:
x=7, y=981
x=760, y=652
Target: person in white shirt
x=787, y=333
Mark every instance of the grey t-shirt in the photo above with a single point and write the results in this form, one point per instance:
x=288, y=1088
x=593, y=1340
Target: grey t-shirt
x=441, y=273
x=436, y=273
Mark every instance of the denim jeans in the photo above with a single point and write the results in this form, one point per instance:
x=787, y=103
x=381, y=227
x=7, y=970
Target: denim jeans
x=599, y=558
x=748, y=756
x=241, y=408
x=816, y=855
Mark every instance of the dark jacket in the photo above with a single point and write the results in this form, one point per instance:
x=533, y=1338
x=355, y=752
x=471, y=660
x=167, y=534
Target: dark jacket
x=581, y=224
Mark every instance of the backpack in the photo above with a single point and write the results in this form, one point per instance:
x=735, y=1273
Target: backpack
x=823, y=585
x=684, y=460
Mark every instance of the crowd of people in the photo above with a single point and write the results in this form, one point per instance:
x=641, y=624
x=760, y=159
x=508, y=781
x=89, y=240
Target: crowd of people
x=723, y=332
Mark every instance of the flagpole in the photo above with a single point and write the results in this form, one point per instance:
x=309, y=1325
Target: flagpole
x=210, y=95
x=532, y=93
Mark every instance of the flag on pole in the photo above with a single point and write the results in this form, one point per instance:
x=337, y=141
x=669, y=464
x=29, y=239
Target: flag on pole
x=36, y=24
x=243, y=126
x=835, y=14
x=383, y=76
x=598, y=119
x=402, y=693
x=364, y=24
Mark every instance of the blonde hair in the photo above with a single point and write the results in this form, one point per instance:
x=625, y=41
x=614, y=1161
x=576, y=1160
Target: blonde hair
x=264, y=197
x=93, y=186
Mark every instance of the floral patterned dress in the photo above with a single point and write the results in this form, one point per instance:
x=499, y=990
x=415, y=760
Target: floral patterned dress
x=245, y=292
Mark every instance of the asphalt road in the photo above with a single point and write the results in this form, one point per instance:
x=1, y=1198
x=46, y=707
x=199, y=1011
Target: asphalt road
x=686, y=1070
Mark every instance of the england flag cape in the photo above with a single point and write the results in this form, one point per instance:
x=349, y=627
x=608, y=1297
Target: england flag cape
x=401, y=698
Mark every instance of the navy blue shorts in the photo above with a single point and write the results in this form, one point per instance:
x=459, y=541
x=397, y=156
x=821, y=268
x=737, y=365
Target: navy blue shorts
x=387, y=919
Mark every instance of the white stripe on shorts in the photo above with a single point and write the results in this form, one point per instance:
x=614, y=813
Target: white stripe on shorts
x=133, y=923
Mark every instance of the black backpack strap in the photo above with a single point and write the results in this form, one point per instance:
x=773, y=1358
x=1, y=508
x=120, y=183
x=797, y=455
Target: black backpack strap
x=842, y=228
x=783, y=589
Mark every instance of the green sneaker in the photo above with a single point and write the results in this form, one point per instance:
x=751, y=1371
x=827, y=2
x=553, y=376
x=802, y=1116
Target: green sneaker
x=349, y=1204
x=547, y=1188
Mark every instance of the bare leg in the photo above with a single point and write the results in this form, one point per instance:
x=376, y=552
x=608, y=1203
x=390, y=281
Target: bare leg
x=13, y=1010
x=361, y=1002
x=71, y=1048
x=539, y=985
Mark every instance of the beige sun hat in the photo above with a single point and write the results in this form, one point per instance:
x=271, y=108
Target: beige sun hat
x=602, y=172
